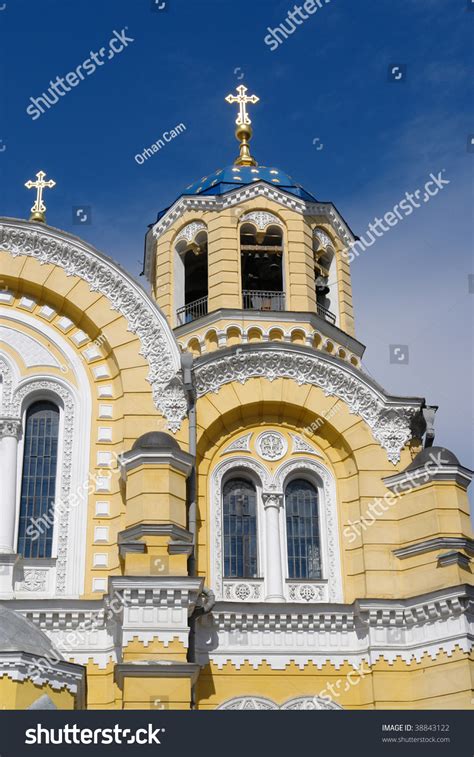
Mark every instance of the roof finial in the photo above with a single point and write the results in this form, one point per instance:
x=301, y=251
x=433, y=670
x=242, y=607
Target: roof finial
x=244, y=130
x=39, y=208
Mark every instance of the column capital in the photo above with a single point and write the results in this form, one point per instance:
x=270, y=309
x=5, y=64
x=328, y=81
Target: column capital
x=272, y=500
x=10, y=427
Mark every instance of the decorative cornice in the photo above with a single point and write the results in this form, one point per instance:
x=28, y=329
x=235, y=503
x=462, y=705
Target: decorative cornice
x=367, y=630
x=48, y=245
x=454, y=558
x=177, y=459
x=389, y=418
x=416, y=477
x=166, y=591
x=432, y=545
x=22, y=666
x=262, y=317
x=180, y=538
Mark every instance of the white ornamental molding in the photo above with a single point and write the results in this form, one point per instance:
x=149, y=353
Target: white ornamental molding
x=248, y=703
x=61, y=522
x=271, y=445
x=306, y=592
x=34, y=580
x=261, y=219
x=323, y=238
x=6, y=387
x=311, y=703
x=389, y=418
x=189, y=232
x=125, y=296
x=300, y=445
x=298, y=703
x=10, y=427
x=243, y=591
x=242, y=444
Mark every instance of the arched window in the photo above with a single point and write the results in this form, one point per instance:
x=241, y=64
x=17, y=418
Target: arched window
x=302, y=528
x=240, y=529
x=38, y=480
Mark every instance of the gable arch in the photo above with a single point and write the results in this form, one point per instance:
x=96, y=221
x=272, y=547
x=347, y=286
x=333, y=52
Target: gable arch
x=144, y=319
x=389, y=418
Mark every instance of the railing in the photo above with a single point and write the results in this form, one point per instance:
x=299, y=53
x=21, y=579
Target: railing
x=325, y=313
x=191, y=311
x=254, y=299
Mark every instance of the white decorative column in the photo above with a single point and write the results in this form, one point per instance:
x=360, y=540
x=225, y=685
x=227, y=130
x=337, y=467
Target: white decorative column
x=10, y=429
x=272, y=504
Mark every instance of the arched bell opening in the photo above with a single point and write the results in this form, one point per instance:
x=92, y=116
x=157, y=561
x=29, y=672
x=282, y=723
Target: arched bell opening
x=191, y=279
x=262, y=267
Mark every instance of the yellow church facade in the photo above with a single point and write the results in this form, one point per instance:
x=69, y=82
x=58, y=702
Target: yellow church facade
x=205, y=502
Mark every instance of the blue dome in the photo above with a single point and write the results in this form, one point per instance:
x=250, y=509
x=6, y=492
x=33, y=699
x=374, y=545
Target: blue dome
x=232, y=177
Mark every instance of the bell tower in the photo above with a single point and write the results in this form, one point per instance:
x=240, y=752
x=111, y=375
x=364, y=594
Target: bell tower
x=247, y=254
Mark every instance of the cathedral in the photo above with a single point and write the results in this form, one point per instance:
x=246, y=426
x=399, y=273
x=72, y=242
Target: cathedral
x=206, y=503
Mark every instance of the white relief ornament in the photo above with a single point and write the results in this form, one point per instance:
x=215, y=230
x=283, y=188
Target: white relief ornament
x=261, y=219
x=242, y=444
x=34, y=580
x=249, y=703
x=6, y=387
x=10, y=427
x=306, y=592
x=189, y=232
x=242, y=591
x=323, y=238
x=271, y=445
x=310, y=703
x=300, y=445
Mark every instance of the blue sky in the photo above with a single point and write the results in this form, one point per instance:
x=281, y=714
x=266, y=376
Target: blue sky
x=327, y=82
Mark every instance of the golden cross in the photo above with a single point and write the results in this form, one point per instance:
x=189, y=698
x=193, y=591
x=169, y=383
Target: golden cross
x=39, y=208
x=242, y=99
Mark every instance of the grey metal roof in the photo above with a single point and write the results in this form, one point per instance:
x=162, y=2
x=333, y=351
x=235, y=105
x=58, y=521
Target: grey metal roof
x=20, y=635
